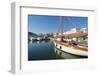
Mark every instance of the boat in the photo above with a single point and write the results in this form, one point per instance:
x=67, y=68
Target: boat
x=71, y=43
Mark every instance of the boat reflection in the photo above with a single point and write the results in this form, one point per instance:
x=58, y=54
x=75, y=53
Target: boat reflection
x=66, y=55
x=40, y=41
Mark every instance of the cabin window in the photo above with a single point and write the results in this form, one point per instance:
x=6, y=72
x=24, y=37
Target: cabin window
x=60, y=47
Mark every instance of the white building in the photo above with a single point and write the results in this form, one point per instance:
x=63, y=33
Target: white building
x=75, y=30
x=84, y=30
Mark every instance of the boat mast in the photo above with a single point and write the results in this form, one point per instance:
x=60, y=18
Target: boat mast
x=61, y=23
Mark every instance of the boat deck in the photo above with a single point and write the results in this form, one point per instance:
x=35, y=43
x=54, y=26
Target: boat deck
x=70, y=45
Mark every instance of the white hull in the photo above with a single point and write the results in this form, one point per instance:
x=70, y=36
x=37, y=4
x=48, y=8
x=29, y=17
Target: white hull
x=71, y=50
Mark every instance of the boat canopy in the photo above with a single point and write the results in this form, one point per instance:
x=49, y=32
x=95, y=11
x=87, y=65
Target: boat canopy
x=74, y=35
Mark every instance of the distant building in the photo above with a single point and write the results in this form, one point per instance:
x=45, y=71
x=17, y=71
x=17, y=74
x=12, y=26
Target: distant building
x=84, y=30
x=75, y=30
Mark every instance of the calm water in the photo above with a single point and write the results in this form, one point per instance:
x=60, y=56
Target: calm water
x=41, y=51
x=44, y=51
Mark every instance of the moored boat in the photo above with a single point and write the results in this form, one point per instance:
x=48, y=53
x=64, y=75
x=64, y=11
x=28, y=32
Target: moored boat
x=71, y=49
x=73, y=43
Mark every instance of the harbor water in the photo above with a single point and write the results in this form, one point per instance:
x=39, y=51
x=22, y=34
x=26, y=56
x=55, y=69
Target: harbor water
x=45, y=50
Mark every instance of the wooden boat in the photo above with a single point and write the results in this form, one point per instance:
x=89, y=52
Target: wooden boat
x=70, y=47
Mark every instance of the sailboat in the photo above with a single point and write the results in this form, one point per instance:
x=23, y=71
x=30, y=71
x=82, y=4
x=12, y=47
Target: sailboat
x=70, y=43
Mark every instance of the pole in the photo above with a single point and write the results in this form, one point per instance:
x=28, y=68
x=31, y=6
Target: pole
x=62, y=25
x=61, y=28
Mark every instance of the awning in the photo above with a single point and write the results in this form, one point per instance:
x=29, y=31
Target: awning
x=75, y=35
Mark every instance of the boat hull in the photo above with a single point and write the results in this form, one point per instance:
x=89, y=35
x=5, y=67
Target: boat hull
x=63, y=49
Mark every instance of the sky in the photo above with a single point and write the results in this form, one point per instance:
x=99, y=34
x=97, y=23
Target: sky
x=51, y=24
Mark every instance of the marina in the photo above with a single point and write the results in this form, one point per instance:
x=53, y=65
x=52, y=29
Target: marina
x=44, y=50
x=72, y=44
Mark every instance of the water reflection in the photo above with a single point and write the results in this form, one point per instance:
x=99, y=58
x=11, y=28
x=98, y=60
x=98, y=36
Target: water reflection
x=66, y=55
x=41, y=41
x=41, y=50
x=45, y=50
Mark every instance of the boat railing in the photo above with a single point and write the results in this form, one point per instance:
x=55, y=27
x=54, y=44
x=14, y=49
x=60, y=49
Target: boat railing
x=71, y=45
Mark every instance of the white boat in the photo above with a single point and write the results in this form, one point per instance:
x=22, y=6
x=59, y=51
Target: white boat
x=75, y=50
x=68, y=46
